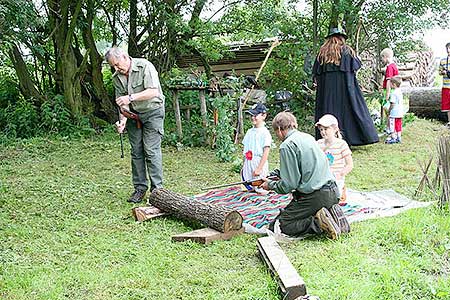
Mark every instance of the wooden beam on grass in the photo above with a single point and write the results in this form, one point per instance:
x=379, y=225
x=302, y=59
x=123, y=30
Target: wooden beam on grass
x=145, y=213
x=291, y=284
x=206, y=235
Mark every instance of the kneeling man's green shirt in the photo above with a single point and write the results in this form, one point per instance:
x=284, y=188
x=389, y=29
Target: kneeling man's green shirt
x=303, y=165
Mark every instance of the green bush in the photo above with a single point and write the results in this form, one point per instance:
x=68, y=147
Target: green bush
x=9, y=90
x=21, y=119
x=194, y=133
x=24, y=120
x=225, y=147
x=55, y=117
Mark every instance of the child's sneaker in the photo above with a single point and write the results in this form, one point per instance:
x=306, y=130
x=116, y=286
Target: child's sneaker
x=391, y=141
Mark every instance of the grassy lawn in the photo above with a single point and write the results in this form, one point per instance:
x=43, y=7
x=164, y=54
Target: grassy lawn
x=66, y=231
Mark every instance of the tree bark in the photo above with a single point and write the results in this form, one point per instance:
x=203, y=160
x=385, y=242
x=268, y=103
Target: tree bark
x=217, y=217
x=104, y=105
x=26, y=84
x=133, y=50
x=63, y=20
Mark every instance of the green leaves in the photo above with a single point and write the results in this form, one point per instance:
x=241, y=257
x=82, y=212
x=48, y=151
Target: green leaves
x=223, y=131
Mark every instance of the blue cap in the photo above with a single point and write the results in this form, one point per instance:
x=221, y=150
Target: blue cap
x=258, y=108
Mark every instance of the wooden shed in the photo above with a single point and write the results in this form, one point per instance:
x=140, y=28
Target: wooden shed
x=243, y=59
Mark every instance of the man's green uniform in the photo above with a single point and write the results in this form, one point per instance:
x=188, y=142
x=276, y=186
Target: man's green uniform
x=304, y=171
x=146, y=156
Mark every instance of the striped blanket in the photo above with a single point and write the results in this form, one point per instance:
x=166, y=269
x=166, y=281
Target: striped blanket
x=259, y=210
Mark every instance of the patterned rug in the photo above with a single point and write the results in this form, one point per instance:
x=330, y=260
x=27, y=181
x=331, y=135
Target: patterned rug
x=258, y=210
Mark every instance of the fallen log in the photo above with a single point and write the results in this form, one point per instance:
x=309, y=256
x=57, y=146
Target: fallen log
x=425, y=102
x=217, y=217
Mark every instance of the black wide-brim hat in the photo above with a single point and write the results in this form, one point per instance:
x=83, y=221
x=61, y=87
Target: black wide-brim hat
x=336, y=31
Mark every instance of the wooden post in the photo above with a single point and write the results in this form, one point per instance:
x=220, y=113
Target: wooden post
x=217, y=217
x=176, y=108
x=203, y=107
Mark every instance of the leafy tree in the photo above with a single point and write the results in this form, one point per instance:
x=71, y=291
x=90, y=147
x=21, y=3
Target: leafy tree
x=55, y=46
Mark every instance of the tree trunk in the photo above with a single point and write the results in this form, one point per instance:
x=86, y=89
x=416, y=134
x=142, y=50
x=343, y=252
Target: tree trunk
x=133, y=50
x=26, y=84
x=315, y=22
x=217, y=217
x=425, y=102
x=104, y=106
x=68, y=76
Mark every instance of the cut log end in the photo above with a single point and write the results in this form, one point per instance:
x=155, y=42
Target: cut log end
x=233, y=221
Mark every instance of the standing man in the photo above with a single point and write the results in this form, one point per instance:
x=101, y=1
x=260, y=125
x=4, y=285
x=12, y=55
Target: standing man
x=136, y=84
x=304, y=171
x=444, y=70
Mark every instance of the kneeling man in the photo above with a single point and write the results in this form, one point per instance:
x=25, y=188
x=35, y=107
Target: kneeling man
x=305, y=172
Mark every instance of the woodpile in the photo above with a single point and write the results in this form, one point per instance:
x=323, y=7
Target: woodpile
x=217, y=217
x=418, y=69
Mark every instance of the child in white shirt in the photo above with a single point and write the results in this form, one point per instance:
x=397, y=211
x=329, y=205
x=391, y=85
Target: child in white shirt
x=257, y=142
x=396, y=112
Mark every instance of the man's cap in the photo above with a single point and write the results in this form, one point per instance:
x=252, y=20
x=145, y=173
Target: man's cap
x=327, y=120
x=257, y=108
x=336, y=31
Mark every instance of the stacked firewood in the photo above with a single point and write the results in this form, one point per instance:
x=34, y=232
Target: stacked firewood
x=418, y=69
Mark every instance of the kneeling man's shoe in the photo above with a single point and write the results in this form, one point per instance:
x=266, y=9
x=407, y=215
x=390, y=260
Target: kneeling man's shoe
x=137, y=196
x=339, y=218
x=327, y=223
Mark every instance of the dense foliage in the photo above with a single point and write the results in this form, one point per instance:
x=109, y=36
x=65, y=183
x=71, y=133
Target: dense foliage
x=53, y=49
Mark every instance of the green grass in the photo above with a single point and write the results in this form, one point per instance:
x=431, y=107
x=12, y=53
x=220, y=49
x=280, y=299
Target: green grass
x=66, y=231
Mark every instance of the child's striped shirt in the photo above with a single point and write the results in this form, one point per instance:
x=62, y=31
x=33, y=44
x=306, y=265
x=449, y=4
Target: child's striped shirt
x=445, y=65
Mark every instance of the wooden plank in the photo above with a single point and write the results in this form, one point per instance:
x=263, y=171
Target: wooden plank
x=291, y=284
x=145, y=213
x=206, y=235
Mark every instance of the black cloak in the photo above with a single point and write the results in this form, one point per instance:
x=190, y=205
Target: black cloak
x=338, y=93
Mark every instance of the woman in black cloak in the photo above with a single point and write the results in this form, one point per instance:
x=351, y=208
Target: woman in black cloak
x=338, y=92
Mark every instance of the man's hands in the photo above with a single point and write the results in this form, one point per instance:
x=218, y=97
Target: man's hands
x=265, y=184
x=123, y=100
x=120, y=125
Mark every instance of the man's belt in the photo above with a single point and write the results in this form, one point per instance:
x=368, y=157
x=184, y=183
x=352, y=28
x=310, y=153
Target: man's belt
x=327, y=186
